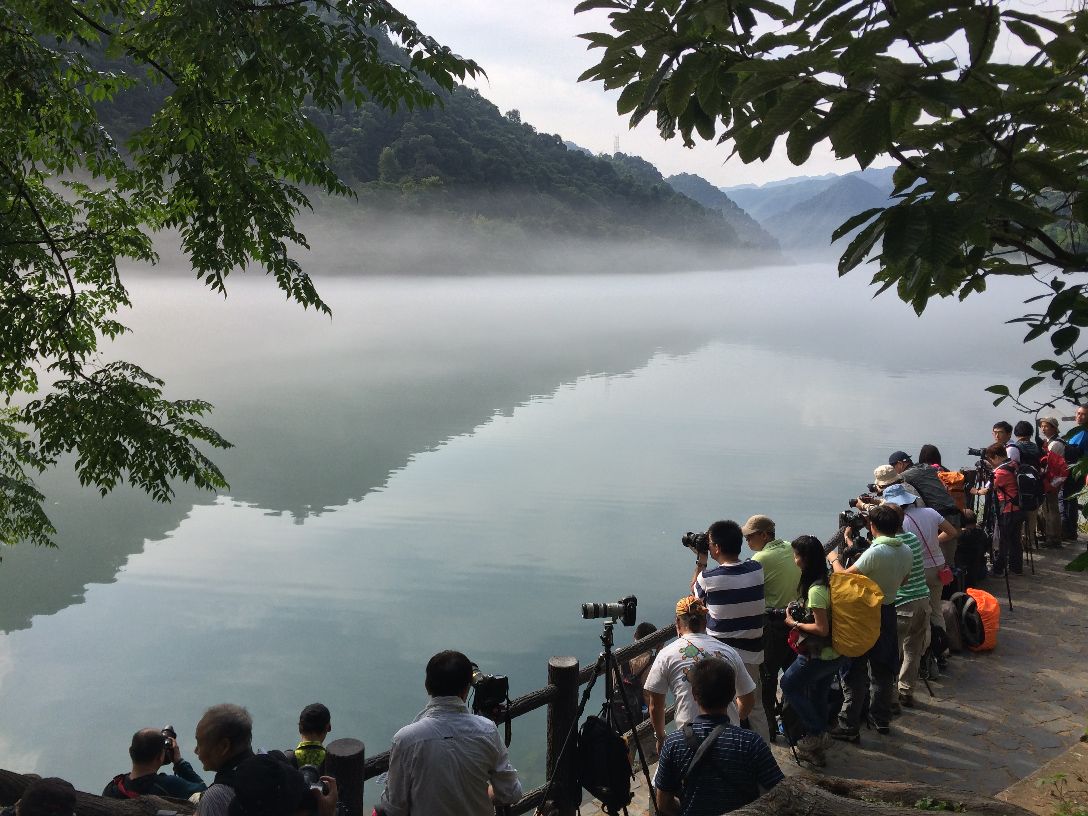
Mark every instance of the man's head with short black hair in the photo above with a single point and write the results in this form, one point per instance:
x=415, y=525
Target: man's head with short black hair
x=449, y=674
x=147, y=745
x=314, y=719
x=885, y=519
x=1023, y=430
x=51, y=796
x=713, y=684
x=726, y=536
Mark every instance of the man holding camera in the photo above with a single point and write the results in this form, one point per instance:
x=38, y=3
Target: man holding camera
x=926, y=483
x=150, y=750
x=781, y=577
x=733, y=593
x=448, y=762
x=888, y=563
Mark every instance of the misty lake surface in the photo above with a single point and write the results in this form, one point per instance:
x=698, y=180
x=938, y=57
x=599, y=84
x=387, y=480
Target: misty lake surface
x=458, y=463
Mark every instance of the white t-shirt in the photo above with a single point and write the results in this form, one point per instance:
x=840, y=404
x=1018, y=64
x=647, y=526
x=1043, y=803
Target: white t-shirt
x=670, y=672
x=925, y=523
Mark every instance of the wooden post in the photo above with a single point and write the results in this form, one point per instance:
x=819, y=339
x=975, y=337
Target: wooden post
x=344, y=760
x=565, y=792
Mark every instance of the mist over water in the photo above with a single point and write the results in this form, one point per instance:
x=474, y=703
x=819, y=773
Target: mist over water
x=458, y=462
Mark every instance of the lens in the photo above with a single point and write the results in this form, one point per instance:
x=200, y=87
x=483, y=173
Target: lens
x=602, y=610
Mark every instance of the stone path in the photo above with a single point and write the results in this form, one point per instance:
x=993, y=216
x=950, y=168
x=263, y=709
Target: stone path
x=996, y=717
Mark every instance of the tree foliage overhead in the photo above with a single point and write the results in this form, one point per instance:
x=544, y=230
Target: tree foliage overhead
x=222, y=158
x=983, y=105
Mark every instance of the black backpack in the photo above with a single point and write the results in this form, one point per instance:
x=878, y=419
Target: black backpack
x=1073, y=452
x=1030, y=487
x=971, y=629
x=1030, y=453
x=604, y=765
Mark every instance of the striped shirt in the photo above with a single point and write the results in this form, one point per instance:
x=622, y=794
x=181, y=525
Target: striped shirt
x=734, y=602
x=728, y=777
x=915, y=588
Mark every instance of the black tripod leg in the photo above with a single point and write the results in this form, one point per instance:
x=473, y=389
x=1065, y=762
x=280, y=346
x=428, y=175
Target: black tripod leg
x=613, y=665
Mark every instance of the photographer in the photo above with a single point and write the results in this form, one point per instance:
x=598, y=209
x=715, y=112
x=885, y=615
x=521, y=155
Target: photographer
x=780, y=579
x=927, y=484
x=267, y=785
x=733, y=593
x=937, y=538
x=1010, y=551
x=224, y=740
x=887, y=562
x=672, y=667
x=150, y=750
x=735, y=766
x=448, y=761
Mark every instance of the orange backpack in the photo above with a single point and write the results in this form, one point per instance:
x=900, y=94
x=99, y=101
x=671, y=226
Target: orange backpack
x=953, y=482
x=990, y=612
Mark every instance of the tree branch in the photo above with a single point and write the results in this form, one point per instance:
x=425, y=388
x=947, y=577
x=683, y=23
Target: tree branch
x=132, y=51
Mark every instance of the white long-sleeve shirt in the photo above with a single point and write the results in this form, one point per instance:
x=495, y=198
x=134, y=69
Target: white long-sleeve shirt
x=441, y=764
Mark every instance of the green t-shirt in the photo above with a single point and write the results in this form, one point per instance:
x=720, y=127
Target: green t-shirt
x=819, y=597
x=915, y=588
x=887, y=561
x=780, y=574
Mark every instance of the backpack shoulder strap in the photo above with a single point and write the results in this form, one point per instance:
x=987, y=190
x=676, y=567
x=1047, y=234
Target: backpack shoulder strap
x=700, y=752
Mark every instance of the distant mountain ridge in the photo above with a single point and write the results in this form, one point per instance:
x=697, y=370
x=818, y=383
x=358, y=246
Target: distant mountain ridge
x=803, y=213
x=699, y=189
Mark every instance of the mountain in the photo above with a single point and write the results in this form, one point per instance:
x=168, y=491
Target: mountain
x=491, y=174
x=810, y=223
x=766, y=201
x=699, y=189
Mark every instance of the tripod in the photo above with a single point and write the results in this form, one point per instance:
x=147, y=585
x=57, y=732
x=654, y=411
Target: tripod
x=988, y=522
x=607, y=663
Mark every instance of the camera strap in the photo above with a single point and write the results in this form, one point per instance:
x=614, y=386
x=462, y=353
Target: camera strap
x=700, y=752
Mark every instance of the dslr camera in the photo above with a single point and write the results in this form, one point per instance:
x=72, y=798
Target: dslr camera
x=979, y=452
x=313, y=778
x=700, y=541
x=623, y=610
x=490, y=693
x=169, y=738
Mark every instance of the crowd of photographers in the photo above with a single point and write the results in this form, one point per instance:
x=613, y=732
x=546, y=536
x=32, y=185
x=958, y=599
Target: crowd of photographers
x=768, y=619
x=449, y=761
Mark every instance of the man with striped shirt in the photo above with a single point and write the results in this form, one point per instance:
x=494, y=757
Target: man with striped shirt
x=733, y=593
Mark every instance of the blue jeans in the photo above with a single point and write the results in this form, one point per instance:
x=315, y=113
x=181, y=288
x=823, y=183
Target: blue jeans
x=805, y=685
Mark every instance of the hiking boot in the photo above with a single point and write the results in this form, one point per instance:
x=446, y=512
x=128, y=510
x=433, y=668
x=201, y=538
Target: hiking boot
x=882, y=728
x=845, y=733
x=906, y=699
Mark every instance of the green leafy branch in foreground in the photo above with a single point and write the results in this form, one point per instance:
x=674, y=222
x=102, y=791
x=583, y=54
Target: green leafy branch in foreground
x=992, y=154
x=222, y=159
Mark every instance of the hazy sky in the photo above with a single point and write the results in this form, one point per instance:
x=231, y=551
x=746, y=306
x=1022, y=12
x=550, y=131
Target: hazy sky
x=533, y=57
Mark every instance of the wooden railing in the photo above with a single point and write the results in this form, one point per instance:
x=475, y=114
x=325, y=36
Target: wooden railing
x=561, y=696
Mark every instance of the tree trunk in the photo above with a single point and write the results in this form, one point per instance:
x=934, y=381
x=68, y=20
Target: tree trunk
x=813, y=795
x=13, y=784
x=802, y=795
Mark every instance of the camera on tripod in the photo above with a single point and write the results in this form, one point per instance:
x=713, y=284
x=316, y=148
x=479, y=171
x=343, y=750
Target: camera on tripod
x=490, y=693
x=979, y=452
x=623, y=610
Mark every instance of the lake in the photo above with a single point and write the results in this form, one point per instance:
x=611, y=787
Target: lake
x=459, y=463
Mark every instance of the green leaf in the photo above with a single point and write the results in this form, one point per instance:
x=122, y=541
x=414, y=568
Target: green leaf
x=1028, y=384
x=1064, y=338
x=854, y=221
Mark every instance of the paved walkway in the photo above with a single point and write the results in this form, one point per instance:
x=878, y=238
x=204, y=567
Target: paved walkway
x=994, y=718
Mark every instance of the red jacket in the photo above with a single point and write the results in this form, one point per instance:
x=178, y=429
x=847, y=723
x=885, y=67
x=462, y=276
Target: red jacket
x=1005, y=490
x=1053, y=466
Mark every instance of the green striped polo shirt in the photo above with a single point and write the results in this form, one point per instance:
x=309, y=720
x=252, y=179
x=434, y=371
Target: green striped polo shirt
x=915, y=588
